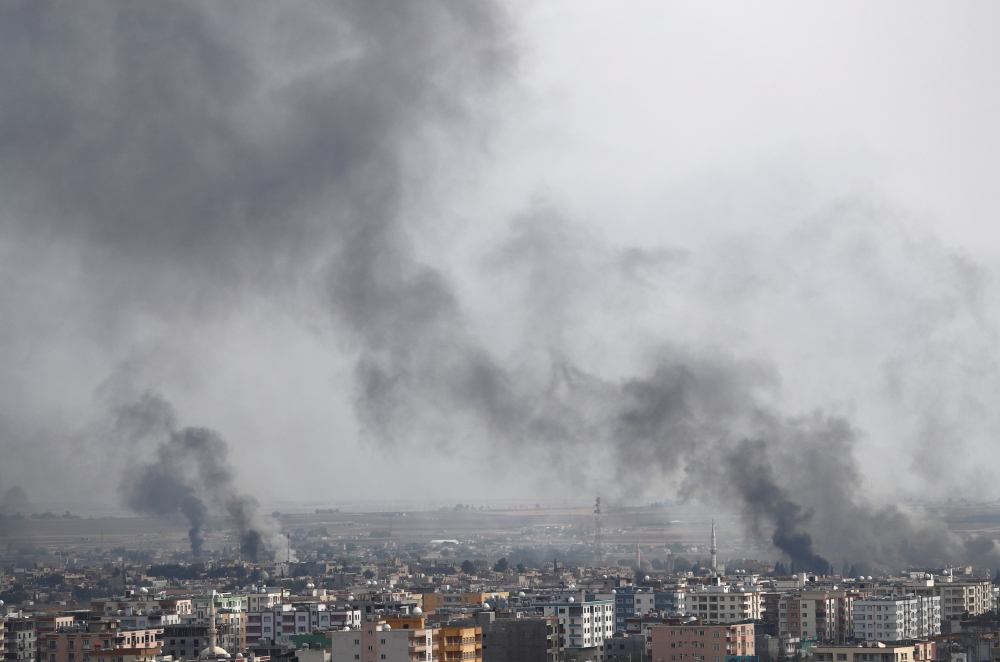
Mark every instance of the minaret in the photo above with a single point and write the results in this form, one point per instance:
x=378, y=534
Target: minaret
x=213, y=632
x=712, y=550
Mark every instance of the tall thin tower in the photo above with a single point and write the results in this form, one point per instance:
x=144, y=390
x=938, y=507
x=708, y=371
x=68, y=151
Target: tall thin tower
x=598, y=535
x=712, y=550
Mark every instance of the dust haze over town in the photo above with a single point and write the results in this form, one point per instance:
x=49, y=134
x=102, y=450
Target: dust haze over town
x=276, y=278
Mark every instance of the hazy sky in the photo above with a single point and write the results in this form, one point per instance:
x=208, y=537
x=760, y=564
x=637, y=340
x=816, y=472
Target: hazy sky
x=187, y=204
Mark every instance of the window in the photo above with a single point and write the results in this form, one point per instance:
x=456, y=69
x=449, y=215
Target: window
x=71, y=644
x=714, y=634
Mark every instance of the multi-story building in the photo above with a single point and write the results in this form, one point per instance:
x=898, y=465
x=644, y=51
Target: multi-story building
x=584, y=625
x=622, y=644
x=724, y=603
x=434, y=601
x=459, y=643
x=19, y=639
x=920, y=651
x=141, y=602
x=78, y=643
x=695, y=641
x=522, y=640
x=264, y=598
x=223, y=601
x=894, y=619
x=817, y=615
x=377, y=641
x=288, y=619
x=631, y=602
x=189, y=638
x=957, y=596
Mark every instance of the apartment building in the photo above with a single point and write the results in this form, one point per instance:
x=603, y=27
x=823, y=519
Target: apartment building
x=19, y=639
x=724, y=603
x=584, y=624
x=711, y=643
x=380, y=642
x=283, y=620
x=957, y=595
x=188, y=639
x=522, y=640
x=264, y=598
x=79, y=643
x=434, y=601
x=459, y=643
x=894, y=619
x=820, y=615
x=920, y=651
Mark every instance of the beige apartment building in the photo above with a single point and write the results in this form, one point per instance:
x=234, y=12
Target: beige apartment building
x=819, y=615
x=724, y=604
x=697, y=642
x=80, y=643
x=380, y=642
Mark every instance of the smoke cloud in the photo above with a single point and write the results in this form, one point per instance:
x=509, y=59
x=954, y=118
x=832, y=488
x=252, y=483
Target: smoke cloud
x=166, y=166
x=189, y=472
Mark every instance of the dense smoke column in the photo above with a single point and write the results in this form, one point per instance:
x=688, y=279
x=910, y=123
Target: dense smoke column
x=243, y=510
x=188, y=473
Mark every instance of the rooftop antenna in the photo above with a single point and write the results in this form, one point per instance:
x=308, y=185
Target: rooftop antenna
x=598, y=535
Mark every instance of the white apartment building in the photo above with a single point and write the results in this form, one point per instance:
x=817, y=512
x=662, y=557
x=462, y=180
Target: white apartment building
x=957, y=596
x=283, y=620
x=725, y=603
x=893, y=619
x=585, y=623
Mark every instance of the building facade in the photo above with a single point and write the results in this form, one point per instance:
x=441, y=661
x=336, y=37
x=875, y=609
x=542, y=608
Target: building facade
x=895, y=619
x=695, y=642
x=583, y=625
x=724, y=603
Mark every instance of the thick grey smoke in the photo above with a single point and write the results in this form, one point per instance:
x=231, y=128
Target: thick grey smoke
x=188, y=473
x=173, y=162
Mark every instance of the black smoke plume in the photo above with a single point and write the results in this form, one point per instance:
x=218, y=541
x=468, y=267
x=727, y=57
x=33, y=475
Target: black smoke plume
x=189, y=158
x=189, y=472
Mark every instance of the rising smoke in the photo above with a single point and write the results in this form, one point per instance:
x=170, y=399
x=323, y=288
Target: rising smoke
x=191, y=159
x=188, y=472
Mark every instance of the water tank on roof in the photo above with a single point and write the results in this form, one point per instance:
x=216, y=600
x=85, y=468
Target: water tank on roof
x=572, y=599
x=417, y=611
x=387, y=627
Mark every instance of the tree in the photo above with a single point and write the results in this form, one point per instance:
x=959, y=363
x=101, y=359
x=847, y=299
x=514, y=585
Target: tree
x=501, y=565
x=521, y=569
x=369, y=574
x=468, y=567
